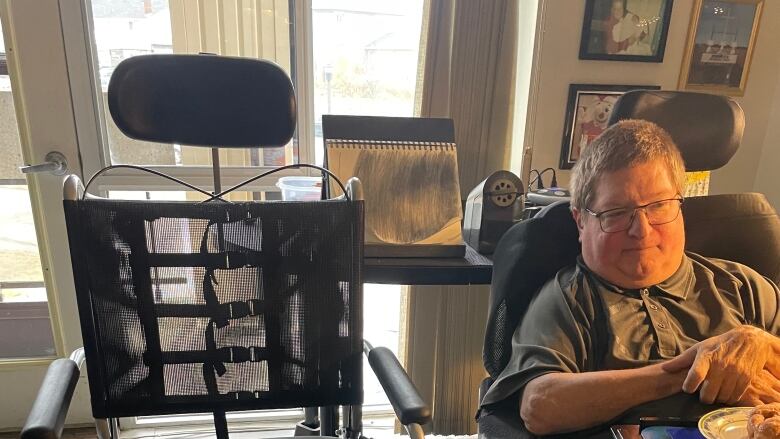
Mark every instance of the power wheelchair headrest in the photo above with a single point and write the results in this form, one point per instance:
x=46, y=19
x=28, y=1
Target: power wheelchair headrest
x=706, y=128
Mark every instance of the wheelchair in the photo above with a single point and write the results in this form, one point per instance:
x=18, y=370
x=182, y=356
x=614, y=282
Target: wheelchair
x=217, y=306
x=739, y=227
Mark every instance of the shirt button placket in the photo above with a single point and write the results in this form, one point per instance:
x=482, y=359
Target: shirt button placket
x=652, y=310
x=657, y=317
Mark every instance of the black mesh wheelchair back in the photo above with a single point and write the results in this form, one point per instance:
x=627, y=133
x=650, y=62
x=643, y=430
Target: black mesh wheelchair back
x=190, y=307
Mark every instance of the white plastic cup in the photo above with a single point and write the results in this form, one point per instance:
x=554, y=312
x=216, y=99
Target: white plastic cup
x=300, y=188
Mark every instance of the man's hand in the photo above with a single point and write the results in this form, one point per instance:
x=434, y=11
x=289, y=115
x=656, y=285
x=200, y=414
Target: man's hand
x=681, y=362
x=726, y=365
x=764, y=389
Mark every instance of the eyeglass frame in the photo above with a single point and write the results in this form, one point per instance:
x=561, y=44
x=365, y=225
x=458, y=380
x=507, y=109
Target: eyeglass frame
x=598, y=215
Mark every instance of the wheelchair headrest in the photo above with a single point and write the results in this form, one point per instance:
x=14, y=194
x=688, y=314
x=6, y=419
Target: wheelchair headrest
x=706, y=128
x=203, y=100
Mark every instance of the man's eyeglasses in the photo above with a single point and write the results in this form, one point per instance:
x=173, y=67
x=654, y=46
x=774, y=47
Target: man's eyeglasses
x=620, y=219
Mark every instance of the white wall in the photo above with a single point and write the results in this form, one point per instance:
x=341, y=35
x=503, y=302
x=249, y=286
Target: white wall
x=762, y=117
x=769, y=161
x=526, y=40
x=558, y=65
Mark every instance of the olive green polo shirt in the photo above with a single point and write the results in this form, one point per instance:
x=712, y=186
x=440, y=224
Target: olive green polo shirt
x=578, y=322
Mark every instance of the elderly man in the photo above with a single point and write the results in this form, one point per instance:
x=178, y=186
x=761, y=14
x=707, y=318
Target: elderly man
x=637, y=318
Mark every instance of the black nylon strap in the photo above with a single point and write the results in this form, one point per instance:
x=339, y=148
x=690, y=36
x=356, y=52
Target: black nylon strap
x=230, y=354
x=220, y=260
x=212, y=368
x=216, y=312
x=209, y=294
x=210, y=379
x=237, y=310
x=139, y=263
x=232, y=310
x=213, y=353
x=244, y=395
x=182, y=310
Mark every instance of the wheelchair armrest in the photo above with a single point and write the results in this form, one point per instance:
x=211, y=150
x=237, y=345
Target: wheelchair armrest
x=407, y=403
x=47, y=416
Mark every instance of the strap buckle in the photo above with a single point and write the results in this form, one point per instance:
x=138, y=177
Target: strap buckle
x=237, y=310
x=241, y=354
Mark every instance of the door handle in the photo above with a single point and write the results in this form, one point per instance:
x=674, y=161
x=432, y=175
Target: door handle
x=55, y=163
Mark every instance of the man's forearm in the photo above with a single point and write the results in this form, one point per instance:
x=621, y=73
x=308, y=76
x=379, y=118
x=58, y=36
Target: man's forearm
x=561, y=402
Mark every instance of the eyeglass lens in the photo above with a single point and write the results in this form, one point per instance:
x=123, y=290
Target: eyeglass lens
x=660, y=212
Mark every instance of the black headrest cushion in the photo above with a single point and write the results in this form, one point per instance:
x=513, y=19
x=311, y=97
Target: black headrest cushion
x=706, y=128
x=203, y=100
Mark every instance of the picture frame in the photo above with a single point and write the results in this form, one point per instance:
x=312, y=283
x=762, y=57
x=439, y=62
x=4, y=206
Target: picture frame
x=587, y=113
x=720, y=45
x=625, y=30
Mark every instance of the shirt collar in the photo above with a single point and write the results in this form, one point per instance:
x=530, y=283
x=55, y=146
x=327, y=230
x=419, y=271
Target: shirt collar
x=681, y=282
x=677, y=285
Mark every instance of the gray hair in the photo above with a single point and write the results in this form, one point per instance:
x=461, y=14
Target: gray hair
x=624, y=144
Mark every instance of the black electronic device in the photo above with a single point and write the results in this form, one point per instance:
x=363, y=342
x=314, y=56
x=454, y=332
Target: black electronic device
x=545, y=196
x=667, y=421
x=492, y=207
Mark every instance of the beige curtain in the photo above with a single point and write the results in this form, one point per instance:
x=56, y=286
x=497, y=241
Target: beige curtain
x=467, y=74
x=249, y=28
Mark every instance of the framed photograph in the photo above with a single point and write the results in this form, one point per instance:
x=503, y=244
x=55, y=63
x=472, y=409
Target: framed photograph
x=720, y=45
x=625, y=30
x=587, y=113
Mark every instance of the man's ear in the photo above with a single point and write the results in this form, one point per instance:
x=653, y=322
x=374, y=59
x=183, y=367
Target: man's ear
x=579, y=218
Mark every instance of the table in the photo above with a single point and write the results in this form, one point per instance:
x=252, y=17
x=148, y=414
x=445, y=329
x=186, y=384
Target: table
x=473, y=269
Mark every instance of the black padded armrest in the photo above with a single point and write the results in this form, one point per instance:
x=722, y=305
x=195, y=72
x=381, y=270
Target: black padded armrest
x=406, y=400
x=47, y=416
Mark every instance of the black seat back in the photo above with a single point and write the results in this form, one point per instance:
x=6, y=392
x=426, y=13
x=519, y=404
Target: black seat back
x=207, y=307
x=528, y=254
x=738, y=227
x=202, y=307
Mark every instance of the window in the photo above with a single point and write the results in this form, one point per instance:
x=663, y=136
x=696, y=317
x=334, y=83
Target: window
x=365, y=59
x=123, y=29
